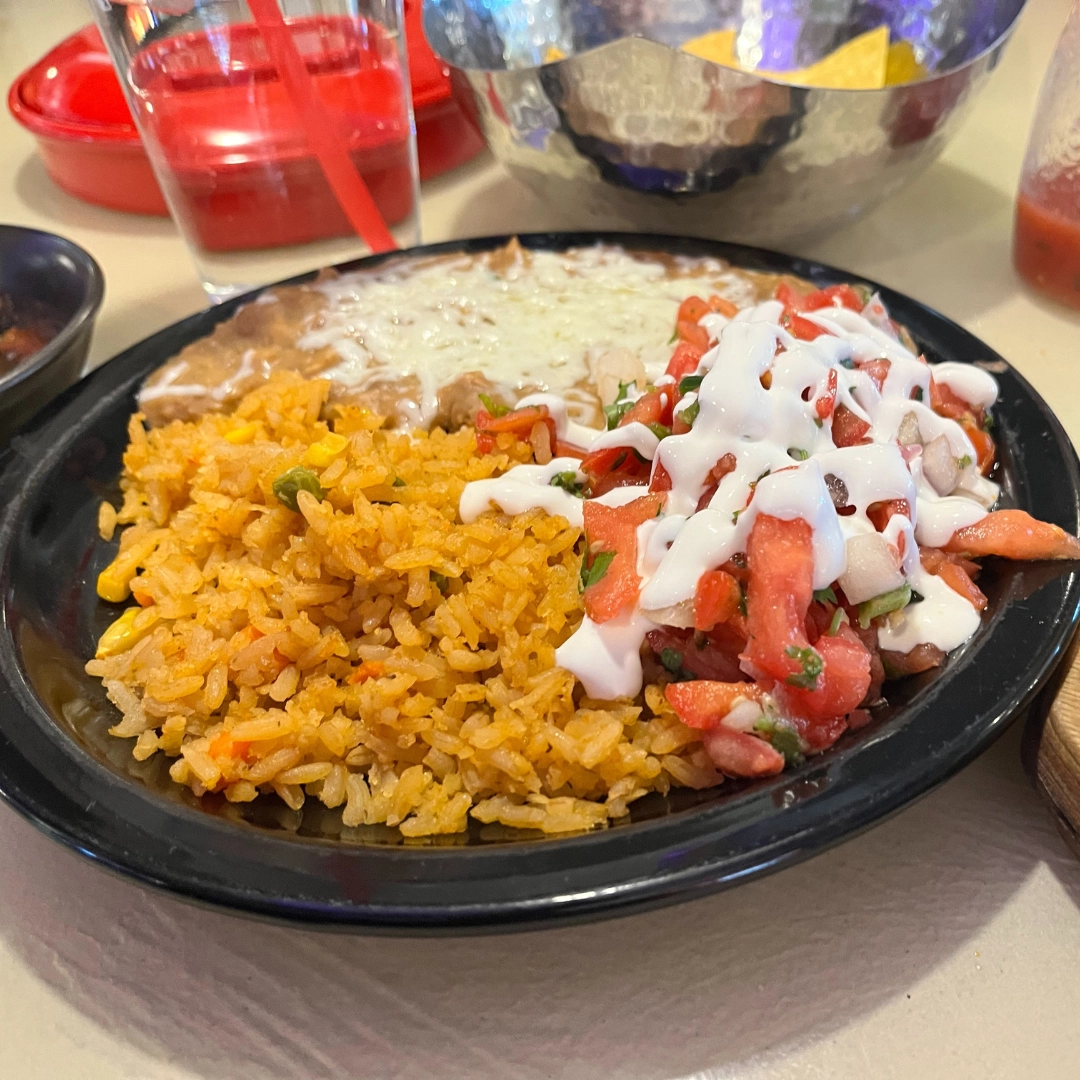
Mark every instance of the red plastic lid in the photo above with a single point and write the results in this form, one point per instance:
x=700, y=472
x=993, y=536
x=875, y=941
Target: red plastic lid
x=73, y=91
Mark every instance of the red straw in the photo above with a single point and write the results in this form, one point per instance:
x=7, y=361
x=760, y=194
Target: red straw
x=346, y=183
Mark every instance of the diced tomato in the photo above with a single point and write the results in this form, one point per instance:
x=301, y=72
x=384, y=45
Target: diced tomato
x=801, y=328
x=563, y=449
x=842, y=685
x=717, y=473
x=781, y=563
x=652, y=408
x=696, y=335
x=714, y=655
x=983, y=443
x=793, y=299
x=693, y=309
x=612, y=467
x=833, y=296
x=824, y=404
x=518, y=423
x=957, y=572
x=684, y=361
x=661, y=479
x=880, y=513
x=847, y=428
x=735, y=753
x=723, y=306
x=702, y=704
x=946, y=402
x=716, y=599
x=869, y=638
x=614, y=529
x=921, y=658
x=1014, y=534
x=678, y=425
x=878, y=370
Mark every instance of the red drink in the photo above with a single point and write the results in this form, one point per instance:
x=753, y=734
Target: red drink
x=237, y=168
x=1046, y=245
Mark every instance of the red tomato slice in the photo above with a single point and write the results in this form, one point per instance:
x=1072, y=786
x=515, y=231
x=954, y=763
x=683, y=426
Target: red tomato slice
x=693, y=309
x=946, y=402
x=714, y=655
x=661, y=479
x=735, y=753
x=695, y=335
x=684, y=361
x=879, y=513
x=702, y=704
x=834, y=296
x=654, y=407
x=847, y=428
x=716, y=599
x=781, y=563
x=1014, y=534
x=800, y=328
x=824, y=404
x=983, y=443
x=842, y=685
x=723, y=306
x=614, y=529
x=878, y=370
x=793, y=299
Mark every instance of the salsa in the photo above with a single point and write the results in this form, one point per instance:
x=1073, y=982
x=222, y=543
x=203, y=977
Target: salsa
x=1046, y=246
x=22, y=333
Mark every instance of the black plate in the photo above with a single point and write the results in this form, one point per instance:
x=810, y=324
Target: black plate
x=59, y=768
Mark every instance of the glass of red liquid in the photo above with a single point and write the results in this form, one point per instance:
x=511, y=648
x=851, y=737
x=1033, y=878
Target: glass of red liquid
x=231, y=140
x=1046, y=243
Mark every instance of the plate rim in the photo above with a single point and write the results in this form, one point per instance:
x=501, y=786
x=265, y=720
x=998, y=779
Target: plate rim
x=700, y=870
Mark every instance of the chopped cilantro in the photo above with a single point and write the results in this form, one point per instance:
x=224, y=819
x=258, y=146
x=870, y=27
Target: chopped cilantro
x=690, y=413
x=818, y=421
x=742, y=599
x=893, y=600
x=988, y=422
x=615, y=412
x=918, y=393
x=839, y=616
x=568, y=481
x=965, y=461
x=659, y=430
x=398, y=482
x=825, y=596
x=495, y=408
x=754, y=483
x=592, y=574
x=811, y=664
x=797, y=454
x=689, y=383
x=672, y=660
x=848, y=363
x=784, y=739
x=440, y=581
x=674, y=336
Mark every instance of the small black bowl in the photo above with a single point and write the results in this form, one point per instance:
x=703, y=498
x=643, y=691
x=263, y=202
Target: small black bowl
x=62, y=282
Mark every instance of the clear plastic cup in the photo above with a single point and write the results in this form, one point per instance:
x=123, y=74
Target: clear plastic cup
x=239, y=152
x=1046, y=241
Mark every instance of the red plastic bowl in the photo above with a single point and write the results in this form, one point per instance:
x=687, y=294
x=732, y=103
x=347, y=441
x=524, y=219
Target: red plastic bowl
x=72, y=103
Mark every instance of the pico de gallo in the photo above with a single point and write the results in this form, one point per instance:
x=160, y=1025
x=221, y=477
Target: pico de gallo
x=786, y=519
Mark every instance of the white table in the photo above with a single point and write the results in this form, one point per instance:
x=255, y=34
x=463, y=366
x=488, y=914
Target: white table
x=944, y=943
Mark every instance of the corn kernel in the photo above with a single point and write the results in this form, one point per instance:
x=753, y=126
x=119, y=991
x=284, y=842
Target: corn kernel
x=322, y=453
x=239, y=436
x=112, y=585
x=120, y=636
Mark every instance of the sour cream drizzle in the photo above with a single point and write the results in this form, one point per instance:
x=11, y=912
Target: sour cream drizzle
x=786, y=462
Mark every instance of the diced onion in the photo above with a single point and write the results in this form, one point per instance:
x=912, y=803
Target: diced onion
x=940, y=466
x=873, y=568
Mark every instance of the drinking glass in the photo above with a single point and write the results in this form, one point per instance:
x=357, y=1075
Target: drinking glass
x=257, y=132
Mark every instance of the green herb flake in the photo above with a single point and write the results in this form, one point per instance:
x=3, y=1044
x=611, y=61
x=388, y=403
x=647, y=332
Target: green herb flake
x=594, y=573
x=742, y=599
x=672, y=660
x=494, y=407
x=689, y=384
x=811, y=664
x=440, y=581
x=674, y=336
x=398, y=482
x=289, y=484
x=659, y=430
x=784, y=739
x=568, y=481
x=839, y=617
x=848, y=363
x=988, y=423
x=918, y=394
x=690, y=413
x=620, y=406
x=825, y=596
x=797, y=454
x=619, y=462
x=893, y=600
x=964, y=462
x=818, y=421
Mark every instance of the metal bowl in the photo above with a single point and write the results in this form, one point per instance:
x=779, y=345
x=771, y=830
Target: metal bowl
x=631, y=131
x=58, y=280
